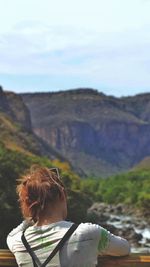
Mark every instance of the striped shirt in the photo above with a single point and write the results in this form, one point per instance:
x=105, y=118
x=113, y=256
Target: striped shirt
x=81, y=250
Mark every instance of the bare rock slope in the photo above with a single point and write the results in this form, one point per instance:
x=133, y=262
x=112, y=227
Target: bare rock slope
x=99, y=134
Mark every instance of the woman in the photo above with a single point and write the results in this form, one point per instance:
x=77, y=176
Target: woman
x=43, y=203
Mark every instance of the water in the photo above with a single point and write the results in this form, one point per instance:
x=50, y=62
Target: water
x=139, y=226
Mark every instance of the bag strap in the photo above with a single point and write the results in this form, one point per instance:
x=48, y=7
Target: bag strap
x=53, y=253
x=28, y=248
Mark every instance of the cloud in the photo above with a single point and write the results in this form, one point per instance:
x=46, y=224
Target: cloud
x=115, y=59
x=29, y=47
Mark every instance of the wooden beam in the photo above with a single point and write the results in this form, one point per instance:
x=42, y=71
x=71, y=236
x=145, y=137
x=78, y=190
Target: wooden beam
x=134, y=260
x=7, y=258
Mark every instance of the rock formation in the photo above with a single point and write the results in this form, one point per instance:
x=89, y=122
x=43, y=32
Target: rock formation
x=99, y=134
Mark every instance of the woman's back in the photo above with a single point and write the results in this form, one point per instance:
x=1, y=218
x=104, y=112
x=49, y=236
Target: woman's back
x=80, y=250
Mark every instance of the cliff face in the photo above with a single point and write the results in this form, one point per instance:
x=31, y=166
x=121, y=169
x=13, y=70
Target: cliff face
x=16, y=130
x=13, y=105
x=99, y=134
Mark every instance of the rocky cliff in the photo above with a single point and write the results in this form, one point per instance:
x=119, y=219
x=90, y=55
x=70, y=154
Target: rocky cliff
x=99, y=134
x=16, y=130
x=13, y=105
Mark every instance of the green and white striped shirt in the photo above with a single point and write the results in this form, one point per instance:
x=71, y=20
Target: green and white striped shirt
x=81, y=250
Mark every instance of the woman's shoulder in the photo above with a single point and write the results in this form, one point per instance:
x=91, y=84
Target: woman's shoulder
x=90, y=226
x=20, y=228
x=15, y=234
x=89, y=229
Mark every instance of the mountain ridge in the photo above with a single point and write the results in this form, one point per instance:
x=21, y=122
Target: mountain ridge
x=16, y=129
x=100, y=134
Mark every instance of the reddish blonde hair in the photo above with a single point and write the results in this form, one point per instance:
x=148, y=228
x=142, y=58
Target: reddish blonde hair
x=40, y=187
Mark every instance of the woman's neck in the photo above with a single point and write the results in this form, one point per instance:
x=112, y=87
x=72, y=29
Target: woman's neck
x=53, y=213
x=48, y=221
x=50, y=218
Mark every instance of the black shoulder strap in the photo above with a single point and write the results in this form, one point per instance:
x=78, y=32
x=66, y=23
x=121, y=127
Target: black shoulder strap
x=53, y=253
x=28, y=248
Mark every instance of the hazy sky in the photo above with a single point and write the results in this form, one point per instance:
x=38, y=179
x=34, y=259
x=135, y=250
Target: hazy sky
x=48, y=45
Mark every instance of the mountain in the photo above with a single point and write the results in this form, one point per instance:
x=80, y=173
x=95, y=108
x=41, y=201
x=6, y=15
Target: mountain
x=100, y=135
x=16, y=130
x=12, y=105
x=143, y=165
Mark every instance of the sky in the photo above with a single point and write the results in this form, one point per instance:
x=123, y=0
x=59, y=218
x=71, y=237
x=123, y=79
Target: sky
x=63, y=44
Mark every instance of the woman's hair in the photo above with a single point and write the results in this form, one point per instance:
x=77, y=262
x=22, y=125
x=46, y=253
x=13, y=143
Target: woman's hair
x=37, y=189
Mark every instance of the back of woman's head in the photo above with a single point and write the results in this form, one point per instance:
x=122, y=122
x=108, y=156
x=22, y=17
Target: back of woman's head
x=38, y=189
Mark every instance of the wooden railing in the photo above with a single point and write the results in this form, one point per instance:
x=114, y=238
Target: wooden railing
x=134, y=260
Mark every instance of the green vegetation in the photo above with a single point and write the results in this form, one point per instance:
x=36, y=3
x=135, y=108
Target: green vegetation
x=131, y=188
x=15, y=138
x=12, y=165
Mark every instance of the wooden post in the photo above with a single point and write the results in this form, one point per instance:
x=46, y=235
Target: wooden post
x=134, y=260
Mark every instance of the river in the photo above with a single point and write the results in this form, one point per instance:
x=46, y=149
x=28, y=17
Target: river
x=123, y=221
x=140, y=227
